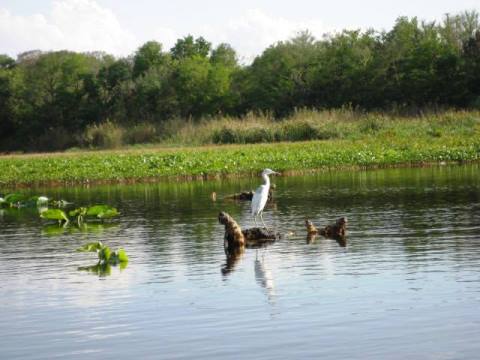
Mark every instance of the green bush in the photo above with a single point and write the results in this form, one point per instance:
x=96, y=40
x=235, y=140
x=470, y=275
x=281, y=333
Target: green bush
x=371, y=124
x=258, y=135
x=140, y=134
x=105, y=135
x=225, y=136
x=57, y=138
x=298, y=131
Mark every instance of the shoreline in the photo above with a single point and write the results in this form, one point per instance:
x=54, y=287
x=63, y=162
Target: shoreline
x=211, y=177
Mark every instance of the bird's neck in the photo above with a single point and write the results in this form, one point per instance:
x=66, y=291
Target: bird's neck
x=266, y=180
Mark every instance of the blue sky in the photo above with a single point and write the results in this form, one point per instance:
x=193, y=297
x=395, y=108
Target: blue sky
x=119, y=27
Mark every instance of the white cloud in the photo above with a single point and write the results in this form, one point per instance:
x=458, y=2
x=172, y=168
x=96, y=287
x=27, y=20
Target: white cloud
x=84, y=25
x=79, y=25
x=254, y=31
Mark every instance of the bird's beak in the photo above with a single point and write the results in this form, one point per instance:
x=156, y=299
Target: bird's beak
x=277, y=173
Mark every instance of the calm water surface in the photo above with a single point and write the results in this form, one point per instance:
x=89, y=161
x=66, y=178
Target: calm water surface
x=407, y=285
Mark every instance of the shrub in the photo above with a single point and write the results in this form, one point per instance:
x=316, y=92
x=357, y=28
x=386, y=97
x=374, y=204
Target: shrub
x=57, y=138
x=140, y=134
x=107, y=135
x=258, y=135
x=224, y=136
x=371, y=124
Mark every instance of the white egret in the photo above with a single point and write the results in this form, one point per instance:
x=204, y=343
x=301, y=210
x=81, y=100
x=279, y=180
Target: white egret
x=261, y=196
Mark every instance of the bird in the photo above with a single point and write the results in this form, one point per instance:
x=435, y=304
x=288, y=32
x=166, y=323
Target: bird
x=264, y=278
x=261, y=196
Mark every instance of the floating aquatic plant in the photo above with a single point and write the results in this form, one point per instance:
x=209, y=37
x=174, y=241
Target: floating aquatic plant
x=20, y=200
x=106, y=258
x=55, y=214
x=105, y=254
x=51, y=209
x=97, y=211
x=14, y=199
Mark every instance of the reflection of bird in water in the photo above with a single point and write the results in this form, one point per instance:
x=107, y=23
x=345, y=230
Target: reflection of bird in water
x=261, y=196
x=264, y=278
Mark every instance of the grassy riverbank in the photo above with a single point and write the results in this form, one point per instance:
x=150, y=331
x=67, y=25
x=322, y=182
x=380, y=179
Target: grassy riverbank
x=369, y=141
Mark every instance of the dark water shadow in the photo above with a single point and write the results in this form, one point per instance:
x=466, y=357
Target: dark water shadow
x=102, y=270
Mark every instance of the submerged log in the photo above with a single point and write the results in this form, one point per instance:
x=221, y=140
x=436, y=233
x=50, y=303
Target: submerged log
x=236, y=237
x=337, y=231
x=244, y=195
x=248, y=195
x=339, y=228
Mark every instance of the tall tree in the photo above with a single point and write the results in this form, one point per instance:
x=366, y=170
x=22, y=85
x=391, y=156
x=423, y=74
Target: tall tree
x=190, y=47
x=147, y=56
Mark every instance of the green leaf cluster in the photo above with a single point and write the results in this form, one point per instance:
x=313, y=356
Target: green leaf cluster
x=54, y=214
x=60, y=99
x=97, y=211
x=20, y=200
x=105, y=254
x=50, y=209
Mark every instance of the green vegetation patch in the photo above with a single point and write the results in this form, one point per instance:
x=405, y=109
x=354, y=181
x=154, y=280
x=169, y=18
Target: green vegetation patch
x=364, y=142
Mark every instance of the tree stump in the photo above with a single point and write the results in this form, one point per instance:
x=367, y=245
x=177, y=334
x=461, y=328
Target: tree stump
x=236, y=237
x=339, y=228
x=337, y=231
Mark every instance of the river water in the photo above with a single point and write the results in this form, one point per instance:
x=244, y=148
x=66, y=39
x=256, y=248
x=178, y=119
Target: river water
x=406, y=285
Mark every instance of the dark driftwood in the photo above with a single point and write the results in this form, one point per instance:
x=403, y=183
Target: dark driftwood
x=248, y=195
x=236, y=237
x=244, y=195
x=339, y=228
x=337, y=231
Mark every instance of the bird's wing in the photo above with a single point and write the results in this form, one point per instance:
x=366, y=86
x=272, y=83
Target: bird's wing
x=256, y=200
x=259, y=199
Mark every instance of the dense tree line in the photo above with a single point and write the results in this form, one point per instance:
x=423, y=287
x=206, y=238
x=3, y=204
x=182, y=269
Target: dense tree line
x=56, y=95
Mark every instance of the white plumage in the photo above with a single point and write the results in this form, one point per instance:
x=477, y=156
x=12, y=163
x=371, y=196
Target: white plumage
x=260, y=197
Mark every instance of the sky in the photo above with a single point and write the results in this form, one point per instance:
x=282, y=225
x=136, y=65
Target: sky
x=119, y=27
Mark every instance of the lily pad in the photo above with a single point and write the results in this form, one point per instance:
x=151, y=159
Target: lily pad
x=15, y=198
x=54, y=214
x=122, y=255
x=102, y=211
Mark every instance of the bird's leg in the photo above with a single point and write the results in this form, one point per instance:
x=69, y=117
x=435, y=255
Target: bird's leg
x=263, y=222
x=255, y=219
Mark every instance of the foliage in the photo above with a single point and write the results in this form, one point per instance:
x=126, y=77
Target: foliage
x=101, y=211
x=189, y=47
x=43, y=203
x=104, y=135
x=61, y=99
x=147, y=56
x=105, y=255
x=140, y=134
x=54, y=214
x=15, y=199
x=337, y=139
x=20, y=200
